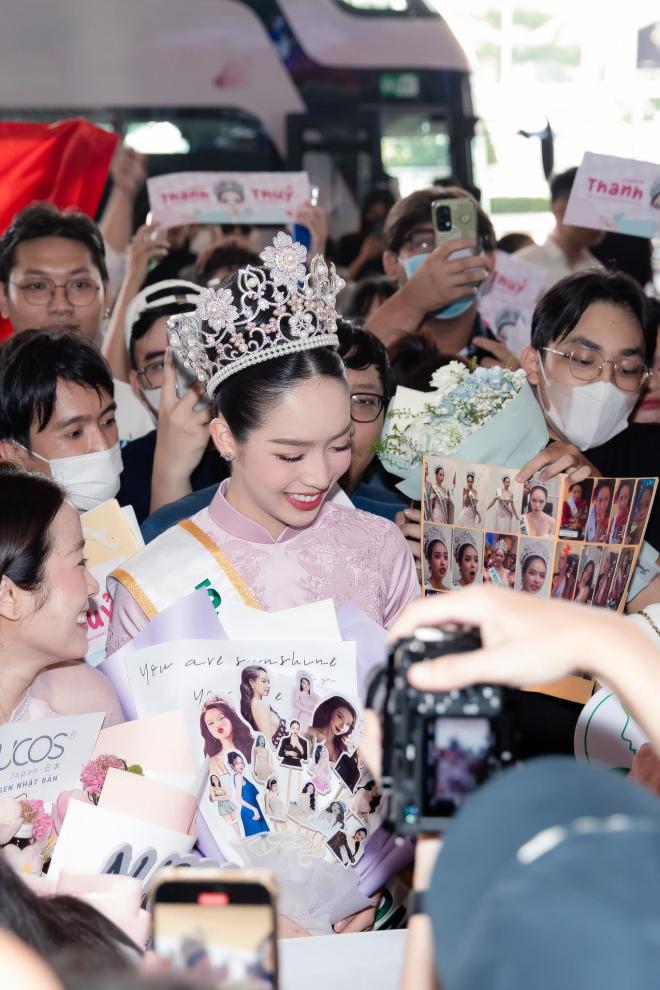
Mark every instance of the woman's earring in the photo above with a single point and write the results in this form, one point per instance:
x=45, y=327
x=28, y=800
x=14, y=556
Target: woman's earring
x=106, y=315
x=227, y=456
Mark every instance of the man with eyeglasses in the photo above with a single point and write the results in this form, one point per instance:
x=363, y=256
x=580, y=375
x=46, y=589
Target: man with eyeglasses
x=53, y=273
x=593, y=344
x=425, y=287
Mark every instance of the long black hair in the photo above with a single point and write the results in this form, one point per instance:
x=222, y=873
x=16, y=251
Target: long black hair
x=29, y=503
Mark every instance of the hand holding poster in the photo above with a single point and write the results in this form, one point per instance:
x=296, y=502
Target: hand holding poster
x=617, y=194
x=578, y=542
x=508, y=299
x=227, y=197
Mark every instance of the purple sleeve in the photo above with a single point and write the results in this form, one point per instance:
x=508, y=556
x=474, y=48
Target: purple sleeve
x=126, y=622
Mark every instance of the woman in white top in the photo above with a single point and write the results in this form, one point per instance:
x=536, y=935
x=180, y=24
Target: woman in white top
x=44, y=596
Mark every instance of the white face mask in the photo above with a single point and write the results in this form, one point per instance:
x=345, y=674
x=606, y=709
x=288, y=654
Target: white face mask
x=88, y=479
x=588, y=415
x=152, y=398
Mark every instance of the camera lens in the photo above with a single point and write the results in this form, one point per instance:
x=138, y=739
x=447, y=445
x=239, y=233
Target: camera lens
x=443, y=218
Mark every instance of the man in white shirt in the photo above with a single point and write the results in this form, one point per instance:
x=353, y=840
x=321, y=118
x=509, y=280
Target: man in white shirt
x=567, y=248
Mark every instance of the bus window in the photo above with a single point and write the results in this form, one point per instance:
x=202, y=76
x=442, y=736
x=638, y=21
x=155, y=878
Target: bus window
x=415, y=148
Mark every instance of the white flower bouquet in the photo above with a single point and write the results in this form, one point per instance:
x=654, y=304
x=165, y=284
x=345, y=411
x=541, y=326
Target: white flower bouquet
x=489, y=416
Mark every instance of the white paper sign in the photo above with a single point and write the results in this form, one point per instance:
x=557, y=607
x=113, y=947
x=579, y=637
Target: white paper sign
x=617, y=194
x=507, y=303
x=227, y=197
x=96, y=840
x=182, y=674
x=41, y=759
x=606, y=733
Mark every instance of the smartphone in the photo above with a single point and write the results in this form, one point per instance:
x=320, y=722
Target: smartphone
x=217, y=925
x=185, y=378
x=453, y=220
x=299, y=232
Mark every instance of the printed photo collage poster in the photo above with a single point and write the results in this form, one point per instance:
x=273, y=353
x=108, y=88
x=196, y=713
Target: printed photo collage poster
x=278, y=727
x=578, y=542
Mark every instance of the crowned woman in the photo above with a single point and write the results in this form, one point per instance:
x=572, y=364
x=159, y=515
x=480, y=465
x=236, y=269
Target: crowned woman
x=273, y=537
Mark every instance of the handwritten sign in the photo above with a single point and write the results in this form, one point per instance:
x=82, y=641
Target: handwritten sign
x=181, y=675
x=617, y=194
x=507, y=303
x=43, y=758
x=227, y=197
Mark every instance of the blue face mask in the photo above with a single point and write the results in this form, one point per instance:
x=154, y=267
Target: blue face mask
x=410, y=266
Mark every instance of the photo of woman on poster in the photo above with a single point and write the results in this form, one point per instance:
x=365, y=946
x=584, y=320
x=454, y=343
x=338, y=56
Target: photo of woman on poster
x=618, y=586
x=436, y=557
x=320, y=769
x=599, y=513
x=439, y=498
x=301, y=810
x=329, y=819
x=506, y=516
x=247, y=796
x=304, y=701
x=222, y=731
x=219, y=795
x=534, y=557
x=347, y=849
x=621, y=507
x=538, y=521
x=262, y=760
x=273, y=803
x=292, y=750
x=640, y=512
x=564, y=577
x=467, y=562
x=470, y=514
x=333, y=722
x=499, y=554
x=574, y=510
x=605, y=578
x=366, y=800
x=255, y=709
x=585, y=585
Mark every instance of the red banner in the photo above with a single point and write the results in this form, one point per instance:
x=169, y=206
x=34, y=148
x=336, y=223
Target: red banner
x=65, y=163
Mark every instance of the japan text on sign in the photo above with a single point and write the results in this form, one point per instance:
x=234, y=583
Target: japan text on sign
x=616, y=194
x=227, y=197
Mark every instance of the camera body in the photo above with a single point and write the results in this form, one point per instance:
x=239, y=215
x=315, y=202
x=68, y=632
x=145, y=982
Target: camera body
x=439, y=747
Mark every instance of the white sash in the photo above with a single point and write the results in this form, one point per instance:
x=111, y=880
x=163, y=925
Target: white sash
x=177, y=562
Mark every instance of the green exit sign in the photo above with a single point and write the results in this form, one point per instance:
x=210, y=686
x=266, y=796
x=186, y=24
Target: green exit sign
x=399, y=85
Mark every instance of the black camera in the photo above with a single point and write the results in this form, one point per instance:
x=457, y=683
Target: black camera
x=442, y=217
x=438, y=747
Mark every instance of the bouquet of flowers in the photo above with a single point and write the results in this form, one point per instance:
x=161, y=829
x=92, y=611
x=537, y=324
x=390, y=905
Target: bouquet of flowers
x=488, y=415
x=26, y=833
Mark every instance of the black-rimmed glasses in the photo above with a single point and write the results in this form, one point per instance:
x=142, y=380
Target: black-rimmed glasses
x=366, y=407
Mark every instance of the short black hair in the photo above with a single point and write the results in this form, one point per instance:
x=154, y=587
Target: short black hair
x=31, y=364
x=360, y=348
x=146, y=320
x=45, y=220
x=227, y=256
x=561, y=184
x=368, y=289
x=563, y=305
x=414, y=210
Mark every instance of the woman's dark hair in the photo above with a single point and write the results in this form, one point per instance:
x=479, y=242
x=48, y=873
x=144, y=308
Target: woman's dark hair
x=273, y=780
x=45, y=220
x=309, y=683
x=28, y=505
x=241, y=734
x=245, y=399
x=592, y=565
x=317, y=752
x=359, y=348
x=562, y=307
x=312, y=800
x=31, y=365
x=368, y=290
x=323, y=714
x=294, y=721
x=49, y=924
x=146, y=320
x=340, y=816
x=572, y=564
x=602, y=484
x=510, y=243
x=248, y=677
x=625, y=484
x=215, y=777
x=227, y=256
x=232, y=757
x=540, y=488
x=431, y=544
x=460, y=553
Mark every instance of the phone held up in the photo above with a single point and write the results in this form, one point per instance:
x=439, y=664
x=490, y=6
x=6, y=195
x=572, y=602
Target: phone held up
x=217, y=925
x=454, y=220
x=438, y=748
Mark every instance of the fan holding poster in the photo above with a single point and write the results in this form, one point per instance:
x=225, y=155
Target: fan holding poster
x=550, y=538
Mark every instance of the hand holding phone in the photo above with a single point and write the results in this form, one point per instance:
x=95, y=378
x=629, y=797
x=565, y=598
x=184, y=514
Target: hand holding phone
x=218, y=925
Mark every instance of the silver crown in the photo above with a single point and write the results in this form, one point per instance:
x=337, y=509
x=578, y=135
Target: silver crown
x=272, y=311
x=463, y=538
x=534, y=549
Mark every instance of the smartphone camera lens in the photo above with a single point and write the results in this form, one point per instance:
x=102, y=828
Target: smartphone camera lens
x=443, y=218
